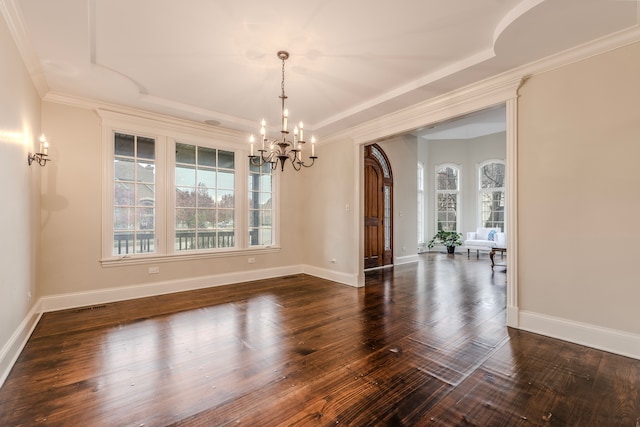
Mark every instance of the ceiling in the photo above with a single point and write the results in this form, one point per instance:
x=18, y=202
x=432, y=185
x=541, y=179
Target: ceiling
x=351, y=61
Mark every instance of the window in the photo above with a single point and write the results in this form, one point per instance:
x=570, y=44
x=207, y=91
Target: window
x=134, y=184
x=492, y=193
x=260, y=205
x=204, y=198
x=447, y=195
x=170, y=190
x=420, y=203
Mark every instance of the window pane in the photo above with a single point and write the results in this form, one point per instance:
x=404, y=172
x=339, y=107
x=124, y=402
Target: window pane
x=185, y=240
x=124, y=169
x=206, y=198
x=265, y=200
x=207, y=178
x=265, y=183
x=206, y=218
x=225, y=218
x=185, y=218
x=123, y=218
x=124, y=194
x=226, y=179
x=146, y=172
x=185, y=154
x=254, y=218
x=265, y=218
x=206, y=240
x=447, y=179
x=144, y=218
x=254, y=182
x=492, y=176
x=145, y=194
x=185, y=197
x=266, y=236
x=206, y=156
x=226, y=159
x=146, y=148
x=226, y=199
x=185, y=175
x=124, y=145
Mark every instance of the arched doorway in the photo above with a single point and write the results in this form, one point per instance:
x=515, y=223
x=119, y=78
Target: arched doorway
x=378, y=208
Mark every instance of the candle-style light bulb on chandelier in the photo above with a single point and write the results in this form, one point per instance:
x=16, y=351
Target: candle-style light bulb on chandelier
x=281, y=150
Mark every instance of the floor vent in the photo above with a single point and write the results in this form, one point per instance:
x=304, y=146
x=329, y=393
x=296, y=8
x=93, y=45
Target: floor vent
x=91, y=307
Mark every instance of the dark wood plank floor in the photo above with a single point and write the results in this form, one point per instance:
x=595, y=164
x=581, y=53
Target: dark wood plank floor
x=421, y=344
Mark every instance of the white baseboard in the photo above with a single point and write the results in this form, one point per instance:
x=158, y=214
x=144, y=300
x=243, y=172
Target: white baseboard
x=12, y=349
x=334, y=276
x=408, y=259
x=611, y=340
x=103, y=296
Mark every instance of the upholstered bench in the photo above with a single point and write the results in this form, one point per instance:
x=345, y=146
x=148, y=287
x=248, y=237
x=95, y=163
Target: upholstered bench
x=484, y=239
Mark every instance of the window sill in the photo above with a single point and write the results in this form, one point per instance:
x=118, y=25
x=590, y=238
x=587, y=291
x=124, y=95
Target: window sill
x=155, y=258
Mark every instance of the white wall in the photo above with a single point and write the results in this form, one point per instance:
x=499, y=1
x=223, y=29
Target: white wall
x=19, y=192
x=402, y=152
x=579, y=193
x=331, y=213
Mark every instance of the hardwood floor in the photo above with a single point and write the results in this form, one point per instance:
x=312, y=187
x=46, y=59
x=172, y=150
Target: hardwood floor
x=421, y=344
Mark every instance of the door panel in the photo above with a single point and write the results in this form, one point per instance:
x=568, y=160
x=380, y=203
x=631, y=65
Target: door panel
x=375, y=253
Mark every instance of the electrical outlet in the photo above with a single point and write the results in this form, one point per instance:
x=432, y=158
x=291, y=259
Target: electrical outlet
x=154, y=270
x=251, y=260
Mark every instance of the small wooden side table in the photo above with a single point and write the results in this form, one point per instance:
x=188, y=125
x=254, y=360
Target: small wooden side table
x=493, y=253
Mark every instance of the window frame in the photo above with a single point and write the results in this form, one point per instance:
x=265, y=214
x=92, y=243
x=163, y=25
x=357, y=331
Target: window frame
x=421, y=206
x=167, y=132
x=482, y=191
x=437, y=192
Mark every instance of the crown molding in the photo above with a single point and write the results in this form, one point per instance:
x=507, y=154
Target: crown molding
x=486, y=93
x=115, y=112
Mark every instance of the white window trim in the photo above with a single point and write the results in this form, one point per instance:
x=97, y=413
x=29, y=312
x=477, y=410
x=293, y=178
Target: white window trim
x=482, y=191
x=457, y=192
x=421, y=213
x=166, y=133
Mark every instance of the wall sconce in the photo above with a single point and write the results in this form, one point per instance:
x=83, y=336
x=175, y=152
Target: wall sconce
x=41, y=156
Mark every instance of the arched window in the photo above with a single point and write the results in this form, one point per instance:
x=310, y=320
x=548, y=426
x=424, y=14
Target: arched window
x=491, y=179
x=447, y=197
x=420, y=203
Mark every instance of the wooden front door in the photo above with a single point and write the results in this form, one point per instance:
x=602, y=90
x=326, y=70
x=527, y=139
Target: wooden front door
x=377, y=208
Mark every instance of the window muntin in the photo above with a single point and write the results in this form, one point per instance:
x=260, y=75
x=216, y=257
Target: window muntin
x=260, y=205
x=134, y=187
x=204, y=198
x=447, y=196
x=492, y=193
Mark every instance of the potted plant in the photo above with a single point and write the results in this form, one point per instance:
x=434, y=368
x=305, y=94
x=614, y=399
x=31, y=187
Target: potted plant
x=449, y=239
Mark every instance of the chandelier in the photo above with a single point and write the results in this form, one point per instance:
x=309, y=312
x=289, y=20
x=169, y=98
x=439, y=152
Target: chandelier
x=283, y=149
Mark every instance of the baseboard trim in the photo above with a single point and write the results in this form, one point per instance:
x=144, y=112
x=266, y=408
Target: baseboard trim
x=610, y=340
x=12, y=349
x=407, y=259
x=103, y=296
x=334, y=276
